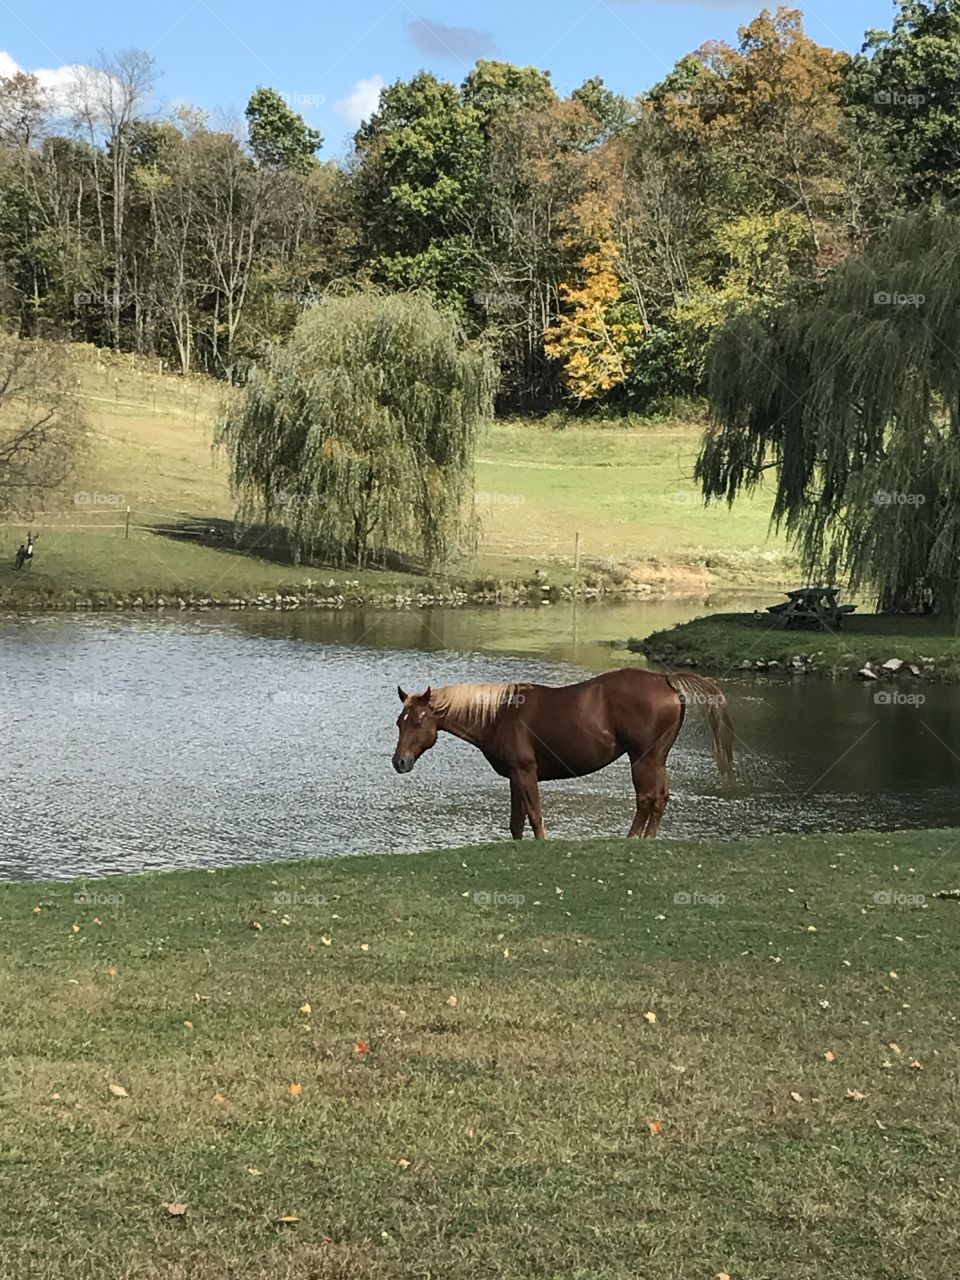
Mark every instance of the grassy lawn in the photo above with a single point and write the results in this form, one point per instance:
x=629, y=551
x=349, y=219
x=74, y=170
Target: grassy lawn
x=723, y=641
x=630, y=494
x=665, y=1061
x=627, y=491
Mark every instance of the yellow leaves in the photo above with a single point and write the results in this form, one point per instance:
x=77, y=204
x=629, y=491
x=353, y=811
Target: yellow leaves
x=287, y=1219
x=796, y=1097
x=650, y=1016
x=296, y=1090
x=326, y=940
x=118, y=1091
x=589, y=338
x=255, y=924
x=404, y=1164
x=188, y=1024
x=174, y=1209
x=829, y=1056
x=306, y=1007
x=854, y=1095
x=916, y=1064
x=452, y=1001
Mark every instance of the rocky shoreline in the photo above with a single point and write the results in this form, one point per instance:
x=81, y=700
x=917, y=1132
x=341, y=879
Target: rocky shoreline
x=336, y=597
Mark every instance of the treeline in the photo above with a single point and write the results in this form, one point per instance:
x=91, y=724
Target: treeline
x=597, y=242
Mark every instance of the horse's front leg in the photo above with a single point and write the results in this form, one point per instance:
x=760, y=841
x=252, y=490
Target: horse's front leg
x=528, y=785
x=518, y=812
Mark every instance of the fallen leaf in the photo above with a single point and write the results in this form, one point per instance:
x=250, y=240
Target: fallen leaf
x=218, y=1098
x=722, y=1275
x=829, y=1056
x=895, y=1047
x=97, y=920
x=306, y=1008
x=112, y=973
x=404, y=1164
x=360, y=1048
x=797, y=1097
x=326, y=940
x=916, y=1064
x=254, y=1173
x=76, y=928
x=256, y=925
x=296, y=1090
x=655, y=1127
x=119, y=1091
x=364, y=946
x=855, y=1095
x=287, y=1218
x=649, y=1016
x=175, y=1210
x=36, y=911
x=188, y=1023
x=452, y=1000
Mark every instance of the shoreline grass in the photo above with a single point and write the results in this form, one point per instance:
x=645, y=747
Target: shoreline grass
x=725, y=642
x=360, y=1068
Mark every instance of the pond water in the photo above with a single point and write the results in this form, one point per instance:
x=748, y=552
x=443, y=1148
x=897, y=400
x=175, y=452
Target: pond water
x=136, y=743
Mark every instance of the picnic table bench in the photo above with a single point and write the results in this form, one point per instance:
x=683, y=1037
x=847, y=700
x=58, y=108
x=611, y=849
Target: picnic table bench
x=811, y=607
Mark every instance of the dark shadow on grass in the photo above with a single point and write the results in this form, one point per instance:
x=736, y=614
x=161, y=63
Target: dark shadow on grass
x=267, y=544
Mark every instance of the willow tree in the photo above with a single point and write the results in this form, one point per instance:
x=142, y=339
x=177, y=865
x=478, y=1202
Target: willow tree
x=359, y=433
x=850, y=398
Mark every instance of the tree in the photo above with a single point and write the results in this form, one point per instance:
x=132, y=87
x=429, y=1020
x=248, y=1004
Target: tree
x=903, y=101
x=850, y=395
x=418, y=165
x=41, y=427
x=359, y=433
x=107, y=99
x=279, y=137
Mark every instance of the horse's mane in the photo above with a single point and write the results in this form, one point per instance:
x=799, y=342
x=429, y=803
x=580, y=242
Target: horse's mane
x=474, y=705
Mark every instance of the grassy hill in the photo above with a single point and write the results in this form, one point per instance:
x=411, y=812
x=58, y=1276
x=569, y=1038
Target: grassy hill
x=627, y=491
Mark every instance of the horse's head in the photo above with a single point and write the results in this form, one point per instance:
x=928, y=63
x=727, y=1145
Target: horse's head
x=418, y=729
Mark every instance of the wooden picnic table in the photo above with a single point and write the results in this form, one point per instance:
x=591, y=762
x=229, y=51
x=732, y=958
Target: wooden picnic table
x=811, y=608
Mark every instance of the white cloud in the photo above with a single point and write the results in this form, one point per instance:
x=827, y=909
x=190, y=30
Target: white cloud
x=361, y=104
x=57, y=83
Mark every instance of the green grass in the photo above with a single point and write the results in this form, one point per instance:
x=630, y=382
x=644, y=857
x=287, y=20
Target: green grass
x=630, y=494
x=626, y=491
x=722, y=641
x=510, y=1061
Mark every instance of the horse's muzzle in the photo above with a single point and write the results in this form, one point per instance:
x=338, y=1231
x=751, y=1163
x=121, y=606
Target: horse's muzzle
x=403, y=764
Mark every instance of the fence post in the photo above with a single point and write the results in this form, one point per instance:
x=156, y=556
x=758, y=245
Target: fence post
x=576, y=554
x=126, y=531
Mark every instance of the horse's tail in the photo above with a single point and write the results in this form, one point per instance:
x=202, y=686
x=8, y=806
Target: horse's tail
x=700, y=692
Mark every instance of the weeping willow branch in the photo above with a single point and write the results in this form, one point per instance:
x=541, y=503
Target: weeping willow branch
x=850, y=393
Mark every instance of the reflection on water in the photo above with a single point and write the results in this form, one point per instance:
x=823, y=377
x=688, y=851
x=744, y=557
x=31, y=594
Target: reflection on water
x=149, y=743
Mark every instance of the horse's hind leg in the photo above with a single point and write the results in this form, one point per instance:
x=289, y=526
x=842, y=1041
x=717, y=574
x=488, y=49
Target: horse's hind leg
x=650, y=783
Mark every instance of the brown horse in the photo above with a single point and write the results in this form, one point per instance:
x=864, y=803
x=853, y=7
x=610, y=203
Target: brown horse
x=531, y=733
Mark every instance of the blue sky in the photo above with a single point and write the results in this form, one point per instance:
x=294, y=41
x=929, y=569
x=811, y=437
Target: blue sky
x=329, y=59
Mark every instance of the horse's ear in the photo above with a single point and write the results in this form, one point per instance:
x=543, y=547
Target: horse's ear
x=403, y=696
x=427, y=694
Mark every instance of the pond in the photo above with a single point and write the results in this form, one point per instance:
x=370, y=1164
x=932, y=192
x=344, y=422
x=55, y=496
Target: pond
x=135, y=743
